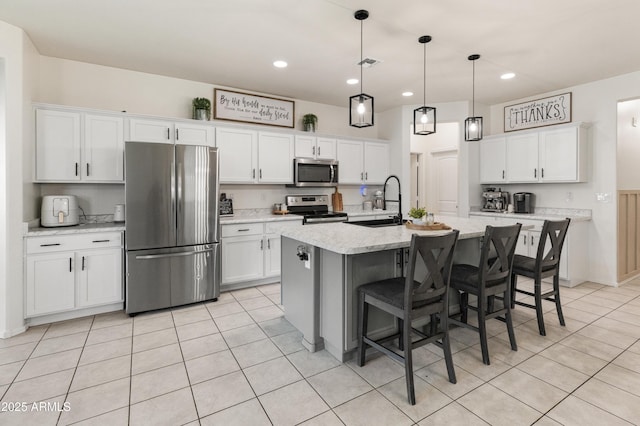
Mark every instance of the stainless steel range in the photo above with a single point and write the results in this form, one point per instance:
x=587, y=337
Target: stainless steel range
x=313, y=208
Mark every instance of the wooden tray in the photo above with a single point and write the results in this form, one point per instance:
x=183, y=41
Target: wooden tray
x=437, y=226
x=281, y=212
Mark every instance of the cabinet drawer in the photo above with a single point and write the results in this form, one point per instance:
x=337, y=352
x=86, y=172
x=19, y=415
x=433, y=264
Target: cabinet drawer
x=242, y=229
x=276, y=227
x=55, y=243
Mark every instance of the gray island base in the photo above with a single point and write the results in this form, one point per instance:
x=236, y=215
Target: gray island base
x=323, y=265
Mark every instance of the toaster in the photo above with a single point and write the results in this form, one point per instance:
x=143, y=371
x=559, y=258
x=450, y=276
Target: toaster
x=59, y=210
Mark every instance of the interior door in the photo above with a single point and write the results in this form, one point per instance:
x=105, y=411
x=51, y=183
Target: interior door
x=196, y=195
x=446, y=182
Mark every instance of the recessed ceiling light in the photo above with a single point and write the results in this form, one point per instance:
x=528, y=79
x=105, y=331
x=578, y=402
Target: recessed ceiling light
x=507, y=76
x=280, y=64
x=407, y=94
x=353, y=81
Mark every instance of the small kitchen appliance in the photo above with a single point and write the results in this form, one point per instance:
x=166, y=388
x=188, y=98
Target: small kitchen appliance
x=313, y=208
x=59, y=210
x=495, y=200
x=378, y=200
x=308, y=172
x=523, y=202
x=118, y=213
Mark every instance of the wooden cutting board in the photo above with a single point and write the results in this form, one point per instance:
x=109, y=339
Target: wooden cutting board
x=336, y=201
x=437, y=226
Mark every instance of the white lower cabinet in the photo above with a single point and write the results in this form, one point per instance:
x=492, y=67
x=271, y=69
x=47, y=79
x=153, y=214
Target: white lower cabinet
x=68, y=272
x=251, y=251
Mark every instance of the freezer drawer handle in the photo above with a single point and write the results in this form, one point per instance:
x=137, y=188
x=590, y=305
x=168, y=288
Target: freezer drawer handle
x=49, y=245
x=160, y=256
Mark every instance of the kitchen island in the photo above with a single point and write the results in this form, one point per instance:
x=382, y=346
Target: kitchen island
x=324, y=264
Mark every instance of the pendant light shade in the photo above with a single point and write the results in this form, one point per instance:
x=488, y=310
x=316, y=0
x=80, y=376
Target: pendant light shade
x=424, y=118
x=361, y=105
x=473, y=124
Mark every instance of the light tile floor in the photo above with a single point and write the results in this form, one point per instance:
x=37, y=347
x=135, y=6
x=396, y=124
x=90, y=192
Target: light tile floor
x=239, y=362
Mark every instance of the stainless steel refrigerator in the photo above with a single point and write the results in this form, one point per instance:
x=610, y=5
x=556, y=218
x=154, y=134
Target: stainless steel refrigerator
x=172, y=225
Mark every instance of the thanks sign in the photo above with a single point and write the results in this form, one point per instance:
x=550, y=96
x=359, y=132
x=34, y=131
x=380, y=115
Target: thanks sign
x=540, y=112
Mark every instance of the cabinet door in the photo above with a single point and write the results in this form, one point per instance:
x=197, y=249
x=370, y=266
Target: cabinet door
x=237, y=150
x=522, y=247
x=272, y=255
x=242, y=258
x=99, y=277
x=305, y=146
x=326, y=148
x=155, y=131
x=350, y=156
x=57, y=145
x=50, y=283
x=275, y=158
x=376, y=162
x=194, y=134
x=103, y=148
x=522, y=158
x=559, y=155
x=493, y=160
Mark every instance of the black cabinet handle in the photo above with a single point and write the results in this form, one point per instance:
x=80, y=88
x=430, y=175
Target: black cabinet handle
x=69, y=264
x=261, y=244
x=168, y=133
x=542, y=170
x=100, y=241
x=83, y=263
x=260, y=173
x=177, y=134
x=269, y=244
x=253, y=173
x=503, y=174
x=76, y=169
x=535, y=173
x=49, y=245
x=243, y=230
x=87, y=169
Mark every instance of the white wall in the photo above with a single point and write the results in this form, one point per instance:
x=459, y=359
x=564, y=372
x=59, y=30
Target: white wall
x=16, y=52
x=595, y=103
x=628, y=144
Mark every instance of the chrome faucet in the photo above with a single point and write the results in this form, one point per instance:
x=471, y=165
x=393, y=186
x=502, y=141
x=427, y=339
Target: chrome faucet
x=399, y=200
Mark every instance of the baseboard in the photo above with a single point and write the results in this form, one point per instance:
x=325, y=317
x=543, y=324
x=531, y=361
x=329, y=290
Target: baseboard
x=63, y=316
x=13, y=332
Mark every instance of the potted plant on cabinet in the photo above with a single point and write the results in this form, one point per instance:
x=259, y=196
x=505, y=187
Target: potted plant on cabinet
x=201, y=109
x=309, y=122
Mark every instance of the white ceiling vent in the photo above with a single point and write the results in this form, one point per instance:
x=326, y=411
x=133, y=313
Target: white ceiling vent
x=369, y=62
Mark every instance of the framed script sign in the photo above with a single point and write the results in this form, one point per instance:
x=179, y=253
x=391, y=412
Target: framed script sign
x=537, y=113
x=236, y=106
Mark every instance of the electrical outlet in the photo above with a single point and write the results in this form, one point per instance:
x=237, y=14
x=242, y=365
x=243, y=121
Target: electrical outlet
x=569, y=197
x=307, y=261
x=603, y=197
x=230, y=196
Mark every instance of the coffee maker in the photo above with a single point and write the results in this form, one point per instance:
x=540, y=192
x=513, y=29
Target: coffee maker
x=523, y=202
x=495, y=200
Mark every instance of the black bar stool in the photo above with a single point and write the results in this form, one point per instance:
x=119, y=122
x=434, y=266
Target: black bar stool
x=545, y=264
x=411, y=298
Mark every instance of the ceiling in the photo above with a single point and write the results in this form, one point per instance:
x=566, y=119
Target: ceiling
x=549, y=44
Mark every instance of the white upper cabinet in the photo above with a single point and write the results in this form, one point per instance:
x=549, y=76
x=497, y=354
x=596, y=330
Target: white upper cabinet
x=522, y=158
x=195, y=134
x=562, y=155
x=103, y=148
x=79, y=147
x=57, y=145
x=362, y=162
x=376, y=162
x=275, y=157
x=554, y=154
x=315, y=147
x=350, y=156
x=238, y=156
x=155, y=131
x=493, y=165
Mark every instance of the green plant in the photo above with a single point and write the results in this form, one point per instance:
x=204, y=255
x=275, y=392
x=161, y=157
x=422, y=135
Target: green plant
x=417, y=213
x=309, y=122
x=201, y=104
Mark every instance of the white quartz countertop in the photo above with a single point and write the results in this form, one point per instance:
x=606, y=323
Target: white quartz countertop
x=552, y=215
x=76, y=229
x=343, y=238
x=265, y=215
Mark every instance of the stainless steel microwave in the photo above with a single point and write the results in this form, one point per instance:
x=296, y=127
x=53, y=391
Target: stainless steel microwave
x=308, y=172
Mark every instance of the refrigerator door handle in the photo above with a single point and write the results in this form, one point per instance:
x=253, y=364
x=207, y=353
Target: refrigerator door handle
x=160, y=256
x=179, y=201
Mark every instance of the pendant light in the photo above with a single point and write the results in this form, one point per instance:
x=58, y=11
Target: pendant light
x=361, y=105
x=473, y=124
x=424, y=118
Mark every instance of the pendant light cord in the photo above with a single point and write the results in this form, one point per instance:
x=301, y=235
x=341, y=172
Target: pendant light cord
x=473, y=90
x=424, y=68
x=361, y=44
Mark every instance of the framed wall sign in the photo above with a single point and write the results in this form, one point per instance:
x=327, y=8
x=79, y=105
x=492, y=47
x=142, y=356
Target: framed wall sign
x=537, y=113
x=247, y=108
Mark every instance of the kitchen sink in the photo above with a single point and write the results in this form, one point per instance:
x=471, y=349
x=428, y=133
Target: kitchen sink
x=376, y=223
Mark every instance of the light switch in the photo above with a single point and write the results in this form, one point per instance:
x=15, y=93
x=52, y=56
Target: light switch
x=603, y=197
